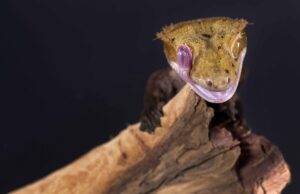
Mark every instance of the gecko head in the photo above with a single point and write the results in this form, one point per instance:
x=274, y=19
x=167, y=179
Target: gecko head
x=208, y=54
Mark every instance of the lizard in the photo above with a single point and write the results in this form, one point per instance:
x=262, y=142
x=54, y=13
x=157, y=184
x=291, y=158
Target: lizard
x=207, y=54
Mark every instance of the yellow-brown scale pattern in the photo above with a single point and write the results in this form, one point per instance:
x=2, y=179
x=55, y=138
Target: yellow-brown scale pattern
x=216, y=44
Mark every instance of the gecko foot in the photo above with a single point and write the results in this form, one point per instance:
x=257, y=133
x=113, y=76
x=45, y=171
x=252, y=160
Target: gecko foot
x=150, y=120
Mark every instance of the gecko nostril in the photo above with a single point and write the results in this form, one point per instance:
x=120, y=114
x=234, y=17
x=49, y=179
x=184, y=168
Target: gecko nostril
x=225, y=81
x=209, y=83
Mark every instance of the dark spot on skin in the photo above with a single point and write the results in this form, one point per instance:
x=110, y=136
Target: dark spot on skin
x=232, y=64
x=228, y=80
x=206, y=35
x=219, y=47
x=227, y=71
x=172, y=39
x=209, y=83
x=222, y=36
x=236, y=59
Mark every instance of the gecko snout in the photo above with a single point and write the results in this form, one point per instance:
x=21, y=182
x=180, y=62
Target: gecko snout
x=218, y=83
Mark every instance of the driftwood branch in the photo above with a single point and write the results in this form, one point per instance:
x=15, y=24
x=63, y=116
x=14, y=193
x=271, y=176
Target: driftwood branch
x=187, y=154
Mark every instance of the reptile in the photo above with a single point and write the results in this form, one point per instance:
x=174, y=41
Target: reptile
x=207, y=54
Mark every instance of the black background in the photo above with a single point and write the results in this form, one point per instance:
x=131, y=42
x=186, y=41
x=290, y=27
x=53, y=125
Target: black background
x=73, y=72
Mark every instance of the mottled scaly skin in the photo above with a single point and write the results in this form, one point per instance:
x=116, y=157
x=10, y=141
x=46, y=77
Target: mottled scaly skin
x=216, y=45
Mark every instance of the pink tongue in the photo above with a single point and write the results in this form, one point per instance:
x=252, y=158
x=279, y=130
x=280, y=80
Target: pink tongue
x=184, y=57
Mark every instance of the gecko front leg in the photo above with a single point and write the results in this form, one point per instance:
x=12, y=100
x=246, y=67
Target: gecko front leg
x=161, y=87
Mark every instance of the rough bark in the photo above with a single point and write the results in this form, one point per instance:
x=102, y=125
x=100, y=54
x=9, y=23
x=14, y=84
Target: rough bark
x=192, y=151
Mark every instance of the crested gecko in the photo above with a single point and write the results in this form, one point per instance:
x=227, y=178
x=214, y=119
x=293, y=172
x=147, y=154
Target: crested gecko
x=207, y=54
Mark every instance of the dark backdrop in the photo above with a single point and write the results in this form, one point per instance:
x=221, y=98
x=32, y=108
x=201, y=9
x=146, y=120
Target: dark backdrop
x=73, y=72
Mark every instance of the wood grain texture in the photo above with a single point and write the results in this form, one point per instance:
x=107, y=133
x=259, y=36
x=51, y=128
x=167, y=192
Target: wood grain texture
x=185, y=155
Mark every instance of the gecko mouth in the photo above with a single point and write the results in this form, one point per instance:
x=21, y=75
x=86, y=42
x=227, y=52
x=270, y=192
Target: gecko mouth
x=215, y=96
x=212, y=95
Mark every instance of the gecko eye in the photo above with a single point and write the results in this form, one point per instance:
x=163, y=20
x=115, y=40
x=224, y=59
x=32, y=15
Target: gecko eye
x=238, y=45
x=184, y=57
